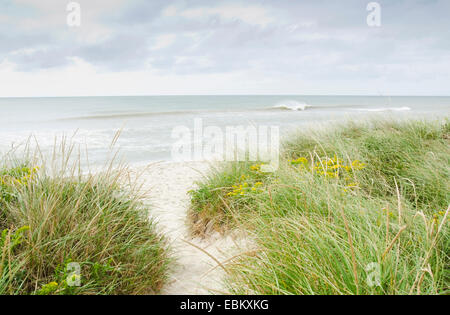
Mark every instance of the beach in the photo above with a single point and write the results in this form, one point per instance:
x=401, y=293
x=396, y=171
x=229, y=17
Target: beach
x=164, y=144
x=326, y=215
x=234, y=149
x=196, y=272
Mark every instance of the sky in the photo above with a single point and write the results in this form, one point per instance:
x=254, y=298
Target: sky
x=197, y=47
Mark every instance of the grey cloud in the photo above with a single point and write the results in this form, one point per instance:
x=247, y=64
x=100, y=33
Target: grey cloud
x=121, y=52
x=338, y=44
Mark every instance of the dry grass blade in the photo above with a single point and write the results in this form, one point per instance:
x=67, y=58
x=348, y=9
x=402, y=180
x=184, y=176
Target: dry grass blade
x=393, y=242
x=208, y=254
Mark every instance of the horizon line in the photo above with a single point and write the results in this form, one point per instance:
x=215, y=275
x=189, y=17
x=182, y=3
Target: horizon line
x=204, y=95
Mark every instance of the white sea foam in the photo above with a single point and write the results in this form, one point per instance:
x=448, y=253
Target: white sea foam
x=384, y=109
x=292, y=105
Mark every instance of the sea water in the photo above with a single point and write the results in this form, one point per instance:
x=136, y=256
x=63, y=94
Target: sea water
x=146, y=122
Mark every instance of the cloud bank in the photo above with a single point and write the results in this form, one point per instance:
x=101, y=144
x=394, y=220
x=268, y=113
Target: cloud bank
x=224, y=47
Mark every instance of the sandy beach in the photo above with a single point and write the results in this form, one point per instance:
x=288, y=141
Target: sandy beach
x=166, y=185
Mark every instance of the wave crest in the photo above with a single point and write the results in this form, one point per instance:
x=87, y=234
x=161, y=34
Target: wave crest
x=292, y=105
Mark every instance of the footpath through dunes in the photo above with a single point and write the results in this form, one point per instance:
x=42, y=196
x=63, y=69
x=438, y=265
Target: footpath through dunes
x=196, y=272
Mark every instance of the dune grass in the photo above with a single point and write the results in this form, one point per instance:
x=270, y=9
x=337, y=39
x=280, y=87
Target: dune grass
x=360, y=208
x=63, y=232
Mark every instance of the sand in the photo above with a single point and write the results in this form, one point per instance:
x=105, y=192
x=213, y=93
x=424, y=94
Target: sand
x=166, y=186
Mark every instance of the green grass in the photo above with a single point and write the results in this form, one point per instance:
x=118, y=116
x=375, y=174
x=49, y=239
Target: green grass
x=53, y=217
x=349, y=205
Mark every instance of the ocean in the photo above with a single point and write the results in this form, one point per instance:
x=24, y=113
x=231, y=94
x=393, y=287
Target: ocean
x=147, y=122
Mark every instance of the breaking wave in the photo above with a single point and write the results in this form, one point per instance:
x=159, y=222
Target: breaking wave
x=292, y=105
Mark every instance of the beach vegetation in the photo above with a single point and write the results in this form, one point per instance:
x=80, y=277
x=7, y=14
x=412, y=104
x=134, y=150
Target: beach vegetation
x=66, y=232
x=358, y=208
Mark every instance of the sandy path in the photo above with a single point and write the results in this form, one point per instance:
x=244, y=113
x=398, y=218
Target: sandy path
x=167, y=185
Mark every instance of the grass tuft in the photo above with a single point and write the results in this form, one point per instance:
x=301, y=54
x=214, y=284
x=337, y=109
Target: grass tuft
x=361, y=208
x=64, y=232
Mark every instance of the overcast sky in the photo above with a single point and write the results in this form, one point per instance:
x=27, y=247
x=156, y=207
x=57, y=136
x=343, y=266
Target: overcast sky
x=147, y=47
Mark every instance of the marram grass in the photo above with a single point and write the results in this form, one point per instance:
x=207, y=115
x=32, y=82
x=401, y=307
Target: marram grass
x=53, y=218
x=361, y=208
